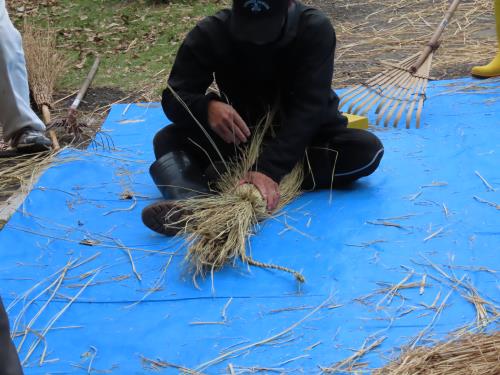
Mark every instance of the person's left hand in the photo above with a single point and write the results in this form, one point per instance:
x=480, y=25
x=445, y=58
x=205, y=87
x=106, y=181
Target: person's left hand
x=267, y=187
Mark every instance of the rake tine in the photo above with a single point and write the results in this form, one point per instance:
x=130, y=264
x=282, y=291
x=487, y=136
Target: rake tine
x=410, y=111
x=422, y=95
x=393, y=86
x=390, y=91
x=394, y=96
x=362, y=94
x=419, y=91
x=351, y=93
x=375, y=89
x=374, y=81
x=109, y=140
x=394, y=78
x=401, y=101
x=379, y=97
x=416, y=82
x=419, y=110
x=364, y=90
x=370, y=85
x=103, y=142
x=413, y=101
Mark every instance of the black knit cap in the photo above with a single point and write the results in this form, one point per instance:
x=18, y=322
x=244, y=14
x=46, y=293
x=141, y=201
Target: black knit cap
x=258, y=21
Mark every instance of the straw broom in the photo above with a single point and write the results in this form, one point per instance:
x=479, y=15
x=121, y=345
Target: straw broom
x=218, y=227
x=44, y=65
x=468, y=354
x=399, y=89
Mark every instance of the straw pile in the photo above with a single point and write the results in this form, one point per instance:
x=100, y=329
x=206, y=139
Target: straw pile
x=467, y=354
x=218, y=226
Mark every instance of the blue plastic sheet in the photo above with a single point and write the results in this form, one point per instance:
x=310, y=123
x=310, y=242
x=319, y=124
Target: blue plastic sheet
x=126, y=295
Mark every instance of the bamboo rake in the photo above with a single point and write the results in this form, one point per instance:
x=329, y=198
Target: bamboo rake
x=399, y=89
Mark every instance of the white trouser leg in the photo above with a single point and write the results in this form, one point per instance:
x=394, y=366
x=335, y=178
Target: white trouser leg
x=15, y=110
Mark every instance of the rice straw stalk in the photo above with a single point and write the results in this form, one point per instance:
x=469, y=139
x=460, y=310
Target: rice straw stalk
x=218, y=226
x=470, y=353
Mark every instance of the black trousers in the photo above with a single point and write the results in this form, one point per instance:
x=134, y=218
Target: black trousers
x=9, y=361
x=348, y=154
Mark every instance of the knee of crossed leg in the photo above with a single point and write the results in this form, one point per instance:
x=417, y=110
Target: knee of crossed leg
x=168, y=139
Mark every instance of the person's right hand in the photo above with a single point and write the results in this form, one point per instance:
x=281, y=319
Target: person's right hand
x=227, y=123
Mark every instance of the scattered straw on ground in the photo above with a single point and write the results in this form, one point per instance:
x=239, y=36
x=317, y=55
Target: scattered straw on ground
x=468, y=354
x=372, y=31
x=21, y=172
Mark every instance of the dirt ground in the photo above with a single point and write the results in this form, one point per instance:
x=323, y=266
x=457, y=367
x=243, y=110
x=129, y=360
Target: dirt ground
x=372, y=31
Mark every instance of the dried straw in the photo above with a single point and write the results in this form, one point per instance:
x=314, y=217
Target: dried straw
x=467, y=354
x=218, y=226
x=43, y=61
x=23, y=170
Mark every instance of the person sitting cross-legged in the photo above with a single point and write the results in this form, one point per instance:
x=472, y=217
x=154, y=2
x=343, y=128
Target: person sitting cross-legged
x=263, y=55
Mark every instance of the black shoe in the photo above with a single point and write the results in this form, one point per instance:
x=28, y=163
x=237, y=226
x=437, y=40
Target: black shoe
x=164, y=217
x=29, y=140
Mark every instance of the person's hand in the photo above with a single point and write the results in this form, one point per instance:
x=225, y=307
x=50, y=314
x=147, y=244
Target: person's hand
x=267, y=187
x=227, y=123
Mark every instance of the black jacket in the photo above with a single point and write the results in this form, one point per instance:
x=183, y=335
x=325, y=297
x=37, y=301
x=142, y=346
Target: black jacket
x=298, y=69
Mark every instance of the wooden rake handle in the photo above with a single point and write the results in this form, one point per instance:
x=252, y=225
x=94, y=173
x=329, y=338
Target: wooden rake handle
x=434, y=42
x=46, y=119
x=85, y=86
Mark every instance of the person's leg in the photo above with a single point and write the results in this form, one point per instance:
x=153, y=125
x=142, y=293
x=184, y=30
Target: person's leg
x=493, y=68
x=183, y=156
x=341, y=156
x=15, y=111
x=9, y=360
x=179, y=169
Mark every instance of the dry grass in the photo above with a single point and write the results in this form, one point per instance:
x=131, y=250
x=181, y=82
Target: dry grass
x=22, y=171
x=467, y=354
x=351, y=364
x=218, y=226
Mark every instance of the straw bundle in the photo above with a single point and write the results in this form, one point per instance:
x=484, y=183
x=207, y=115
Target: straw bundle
x=218, y=226
x=44, y=64
x=468, y=354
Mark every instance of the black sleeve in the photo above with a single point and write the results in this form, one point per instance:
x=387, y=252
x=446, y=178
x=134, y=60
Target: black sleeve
x=307, y=102
x=191, y=75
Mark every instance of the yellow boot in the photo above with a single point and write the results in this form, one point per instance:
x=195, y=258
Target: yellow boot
x=493, y=68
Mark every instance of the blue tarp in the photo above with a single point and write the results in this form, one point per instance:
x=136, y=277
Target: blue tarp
x=99, y=291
